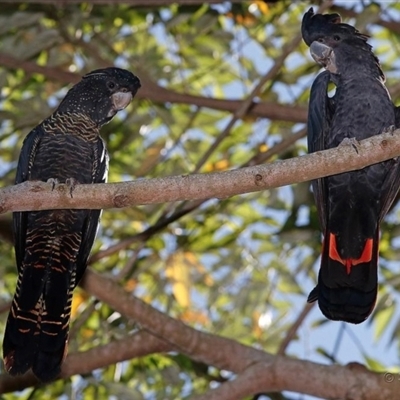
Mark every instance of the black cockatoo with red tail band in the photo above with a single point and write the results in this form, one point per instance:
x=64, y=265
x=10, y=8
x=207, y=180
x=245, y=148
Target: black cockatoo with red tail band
x=350, y=205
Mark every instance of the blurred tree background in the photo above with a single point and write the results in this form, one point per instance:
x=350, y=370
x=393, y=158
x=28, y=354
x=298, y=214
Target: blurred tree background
x=224, y=85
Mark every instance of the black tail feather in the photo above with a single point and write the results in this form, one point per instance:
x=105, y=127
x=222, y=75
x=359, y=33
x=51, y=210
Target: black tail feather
x=344, y=296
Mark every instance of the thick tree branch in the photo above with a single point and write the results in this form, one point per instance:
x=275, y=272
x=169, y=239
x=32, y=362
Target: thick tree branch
x=188, y=340
x=40, y=196
x=153, y=92
x=185, y=208
x=137, y=345
x=353, y=381
x=257, y=371
x=264, y=371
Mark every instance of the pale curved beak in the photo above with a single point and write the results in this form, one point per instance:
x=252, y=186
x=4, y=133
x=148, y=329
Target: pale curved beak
x=324, y=55
x=121, y=100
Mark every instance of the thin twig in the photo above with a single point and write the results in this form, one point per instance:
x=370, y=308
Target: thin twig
x=291, y=333
x=152, y=91
x=247, y=103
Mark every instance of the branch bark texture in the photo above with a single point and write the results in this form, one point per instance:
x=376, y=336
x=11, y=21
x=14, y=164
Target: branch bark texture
x=347, y=157
x=256, y=370
x=137, y=345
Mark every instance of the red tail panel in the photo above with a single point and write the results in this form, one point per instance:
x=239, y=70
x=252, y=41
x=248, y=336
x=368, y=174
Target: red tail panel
x=366, y=255
x=347, y=287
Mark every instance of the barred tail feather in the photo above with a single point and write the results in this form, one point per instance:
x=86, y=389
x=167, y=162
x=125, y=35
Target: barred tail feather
x=38, y=323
